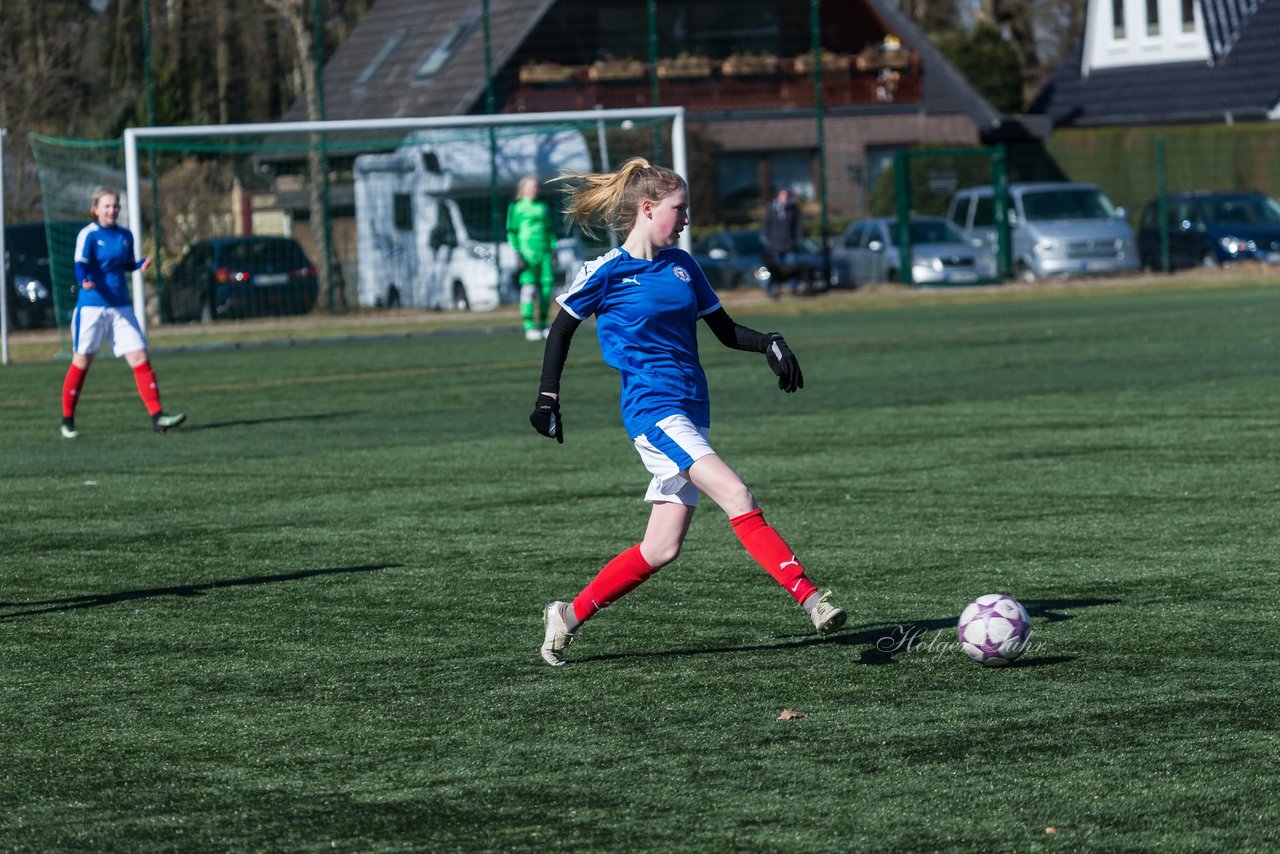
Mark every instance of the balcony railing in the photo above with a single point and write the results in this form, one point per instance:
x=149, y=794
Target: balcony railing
x=715, y=86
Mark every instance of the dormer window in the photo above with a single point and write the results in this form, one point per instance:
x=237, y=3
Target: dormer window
x=445, y=50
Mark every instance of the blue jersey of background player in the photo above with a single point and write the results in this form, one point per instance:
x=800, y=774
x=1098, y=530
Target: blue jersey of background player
x=647, y=314
x=104, y=312
x=647, y=297
x=104, y=257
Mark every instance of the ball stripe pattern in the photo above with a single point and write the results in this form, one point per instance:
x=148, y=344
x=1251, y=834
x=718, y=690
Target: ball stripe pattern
x=994, y=629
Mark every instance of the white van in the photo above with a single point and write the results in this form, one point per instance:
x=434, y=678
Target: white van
x=425, y=228
x=1056, y=228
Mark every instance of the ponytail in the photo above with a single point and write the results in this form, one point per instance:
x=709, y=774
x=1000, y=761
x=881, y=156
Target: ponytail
x=615, y=197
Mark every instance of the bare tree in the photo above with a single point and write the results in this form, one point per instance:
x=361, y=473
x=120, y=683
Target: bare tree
x=294, y=14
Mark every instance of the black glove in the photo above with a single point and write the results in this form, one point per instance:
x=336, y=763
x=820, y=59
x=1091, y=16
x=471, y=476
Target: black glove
x=546, y=417
x=783, y=363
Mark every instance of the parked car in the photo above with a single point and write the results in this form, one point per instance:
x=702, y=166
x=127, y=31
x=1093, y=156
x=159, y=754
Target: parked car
x=239, y=277
x=939, y=253
x=1056, y=228
x=1211, y=228
x=28, y=268
x=735, y=258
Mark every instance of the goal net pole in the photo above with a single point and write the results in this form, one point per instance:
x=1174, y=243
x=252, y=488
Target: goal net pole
x=132, y=136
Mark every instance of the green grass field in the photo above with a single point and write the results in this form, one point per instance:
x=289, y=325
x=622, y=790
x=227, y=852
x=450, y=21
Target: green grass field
x=310, y=619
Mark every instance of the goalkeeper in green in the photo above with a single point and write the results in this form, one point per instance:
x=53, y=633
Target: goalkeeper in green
x=530, y=233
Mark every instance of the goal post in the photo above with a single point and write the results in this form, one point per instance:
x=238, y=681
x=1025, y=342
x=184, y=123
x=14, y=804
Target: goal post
x=382, y=161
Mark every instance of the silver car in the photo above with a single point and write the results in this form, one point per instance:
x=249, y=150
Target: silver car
x=1056, y=228
x=939, y=254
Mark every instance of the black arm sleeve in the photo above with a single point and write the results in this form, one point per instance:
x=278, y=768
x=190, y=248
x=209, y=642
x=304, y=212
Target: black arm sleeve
x=733, y=335
x=557, y=353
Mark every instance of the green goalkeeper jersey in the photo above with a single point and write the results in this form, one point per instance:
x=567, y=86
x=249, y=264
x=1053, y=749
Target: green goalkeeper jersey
x=529, y=228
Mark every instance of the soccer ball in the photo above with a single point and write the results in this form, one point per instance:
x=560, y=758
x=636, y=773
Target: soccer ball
x=994, y=630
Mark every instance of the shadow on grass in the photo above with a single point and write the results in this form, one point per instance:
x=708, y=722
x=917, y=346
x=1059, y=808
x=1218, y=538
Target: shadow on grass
x=74, y=603
x=253, y=422
x=886, y=641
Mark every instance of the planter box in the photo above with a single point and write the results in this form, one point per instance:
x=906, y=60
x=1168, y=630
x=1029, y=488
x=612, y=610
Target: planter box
x=545, y=72
x=616, y=70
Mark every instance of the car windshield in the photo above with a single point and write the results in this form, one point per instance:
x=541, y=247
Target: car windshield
x=1080, y=203
x=747, y=243
x=934, y=231
x=1244, y=210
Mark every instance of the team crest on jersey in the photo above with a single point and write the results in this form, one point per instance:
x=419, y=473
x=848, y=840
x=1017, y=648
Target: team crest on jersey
x=681, y=273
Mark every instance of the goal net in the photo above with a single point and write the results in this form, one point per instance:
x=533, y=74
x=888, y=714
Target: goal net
x=281, y=218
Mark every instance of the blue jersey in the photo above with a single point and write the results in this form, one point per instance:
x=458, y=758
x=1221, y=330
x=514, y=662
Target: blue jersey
x=104, y=254
x=647, y=321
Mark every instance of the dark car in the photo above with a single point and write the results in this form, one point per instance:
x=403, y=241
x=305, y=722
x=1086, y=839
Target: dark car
x=29, y=272
x=239, y=277
x=1207, y=229
x=734, y=258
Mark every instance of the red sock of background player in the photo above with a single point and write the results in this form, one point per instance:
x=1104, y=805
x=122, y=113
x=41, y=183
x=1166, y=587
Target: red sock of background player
x=619, y=577
x=146, y=380
x=71, y=390
x=771, y=552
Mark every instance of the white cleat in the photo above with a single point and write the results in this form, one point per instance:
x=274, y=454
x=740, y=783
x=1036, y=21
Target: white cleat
x=827, y=618
x=532, y=335
x=558, y=636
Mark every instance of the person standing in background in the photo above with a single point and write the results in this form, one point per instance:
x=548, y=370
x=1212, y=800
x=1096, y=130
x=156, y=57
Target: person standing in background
x=530, y=233
x=104, y=312
x=782, y=232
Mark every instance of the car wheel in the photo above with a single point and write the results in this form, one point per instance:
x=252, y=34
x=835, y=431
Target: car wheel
x=206, y=310
x=1025, y=273
x=460, y=301
x=1209, y=261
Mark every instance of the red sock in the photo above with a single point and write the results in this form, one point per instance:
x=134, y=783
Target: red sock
x=71, y=390
x=772, y=553
x=619, y=577
x=146, y=380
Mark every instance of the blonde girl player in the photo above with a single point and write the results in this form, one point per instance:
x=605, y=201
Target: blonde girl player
x=104, y=312
x=529, y=232
x=647, y=297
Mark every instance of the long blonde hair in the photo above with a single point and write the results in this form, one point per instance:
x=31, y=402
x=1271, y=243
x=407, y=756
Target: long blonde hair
x=615, y=197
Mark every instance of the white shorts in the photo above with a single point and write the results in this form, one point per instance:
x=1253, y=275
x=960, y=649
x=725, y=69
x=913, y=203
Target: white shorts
x=668, y=449
x=91, y=325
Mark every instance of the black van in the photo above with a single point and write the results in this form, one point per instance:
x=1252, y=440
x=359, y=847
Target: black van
x=29, y=273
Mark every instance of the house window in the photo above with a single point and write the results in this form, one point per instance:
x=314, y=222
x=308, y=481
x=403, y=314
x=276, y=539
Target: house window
x=393, y=41
x=1153, y=17
x=444, y=51
x=739, y=182
x=1117, y=19
x=402, y=211
x=793, y=169
x=1188, y=16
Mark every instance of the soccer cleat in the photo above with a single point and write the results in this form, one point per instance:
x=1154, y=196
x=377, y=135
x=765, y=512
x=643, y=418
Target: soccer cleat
x=163, y=422
x=558, y=636
x=827, y=618
x=545, y=333
x=532, y=335
x=69, y=428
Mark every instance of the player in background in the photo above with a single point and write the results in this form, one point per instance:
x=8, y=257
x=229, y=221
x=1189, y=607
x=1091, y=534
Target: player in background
x=647, y=297
x=530, y=233
x=104, y=312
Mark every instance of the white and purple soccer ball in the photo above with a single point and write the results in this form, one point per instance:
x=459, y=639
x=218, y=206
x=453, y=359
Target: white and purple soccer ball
x=994, y=630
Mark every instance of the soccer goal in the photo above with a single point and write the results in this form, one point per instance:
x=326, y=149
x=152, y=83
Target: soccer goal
x=254, y=219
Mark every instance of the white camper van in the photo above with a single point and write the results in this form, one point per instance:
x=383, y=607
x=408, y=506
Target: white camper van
x=425, y=223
